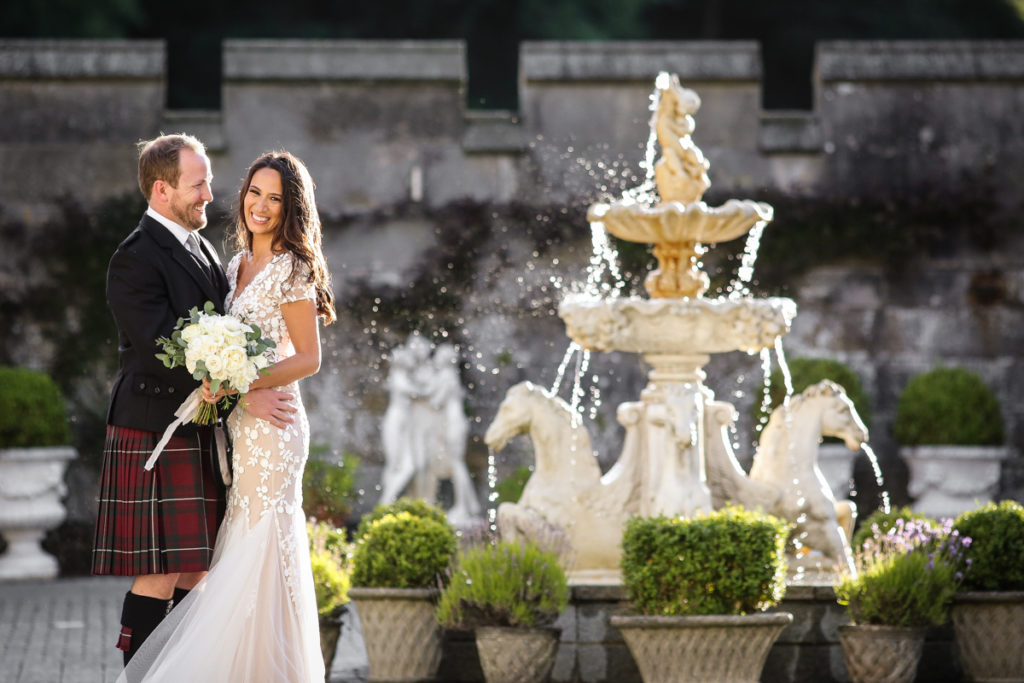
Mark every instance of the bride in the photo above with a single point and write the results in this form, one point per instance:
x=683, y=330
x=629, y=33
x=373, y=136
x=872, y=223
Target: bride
x=253, y=618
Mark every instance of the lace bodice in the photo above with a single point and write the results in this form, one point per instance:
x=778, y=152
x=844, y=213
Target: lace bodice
x=283, y=280
x=268, y=462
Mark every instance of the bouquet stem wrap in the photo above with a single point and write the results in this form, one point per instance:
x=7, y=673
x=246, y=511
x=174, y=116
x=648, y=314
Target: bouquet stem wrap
x=187, y=412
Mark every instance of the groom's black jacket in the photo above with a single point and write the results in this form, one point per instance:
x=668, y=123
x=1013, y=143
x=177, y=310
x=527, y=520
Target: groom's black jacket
x=153, y=280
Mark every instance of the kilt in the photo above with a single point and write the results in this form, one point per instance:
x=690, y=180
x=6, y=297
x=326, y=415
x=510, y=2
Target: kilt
x=159, y=522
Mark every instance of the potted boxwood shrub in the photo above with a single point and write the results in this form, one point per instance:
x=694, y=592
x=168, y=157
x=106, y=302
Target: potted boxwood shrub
x=950, y=432
x=34, y=452
x=905, y=581
x=988, y=615
x=835, y=460
x=328, y=559
x=700, y=588
x=397, y=564
x=510, y=594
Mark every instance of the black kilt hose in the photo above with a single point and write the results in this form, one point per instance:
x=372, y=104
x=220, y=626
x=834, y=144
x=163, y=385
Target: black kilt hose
x=162, y=521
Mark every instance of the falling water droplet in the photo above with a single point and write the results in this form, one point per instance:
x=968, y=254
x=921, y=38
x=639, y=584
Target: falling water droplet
x=492, y=493
x=739, y=287
x=873, y=459
x=560, y=373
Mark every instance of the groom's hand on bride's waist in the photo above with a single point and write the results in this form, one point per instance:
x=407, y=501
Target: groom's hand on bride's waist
x=276, y=407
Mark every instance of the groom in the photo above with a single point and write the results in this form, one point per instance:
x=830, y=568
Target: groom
x=159, y=526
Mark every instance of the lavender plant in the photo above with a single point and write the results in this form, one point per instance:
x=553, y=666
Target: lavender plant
x=906, y=576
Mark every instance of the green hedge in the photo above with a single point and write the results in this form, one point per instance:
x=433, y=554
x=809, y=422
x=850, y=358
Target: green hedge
x=997, y=546
x=32, y=410
x=948, y=406
x=413, y=506
x=402, y=551
x=728, y=562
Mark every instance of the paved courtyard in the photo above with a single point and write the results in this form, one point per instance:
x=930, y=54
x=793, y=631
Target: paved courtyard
x=64, y=632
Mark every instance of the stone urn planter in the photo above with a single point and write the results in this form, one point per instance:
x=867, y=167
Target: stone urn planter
x=947, y=480
x=881, y=654
x=510, y=593
x=403, y=640
x=31, y=489
x=516, y=655
x=717, y=648
x=989, y=627
x=401, y=550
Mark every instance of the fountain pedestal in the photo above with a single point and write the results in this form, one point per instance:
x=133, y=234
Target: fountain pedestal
x=673, y=425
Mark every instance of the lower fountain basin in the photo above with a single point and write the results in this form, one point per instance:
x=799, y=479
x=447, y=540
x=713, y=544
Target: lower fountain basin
x=676, y=326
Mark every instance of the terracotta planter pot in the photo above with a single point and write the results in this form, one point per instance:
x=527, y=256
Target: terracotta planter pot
x=989, y=629
x=711, y=649
x=403, y=640
x=516, y=655
x=881, y=654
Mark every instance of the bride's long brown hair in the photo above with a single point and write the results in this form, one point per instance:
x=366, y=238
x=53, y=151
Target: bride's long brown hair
x=299, y=231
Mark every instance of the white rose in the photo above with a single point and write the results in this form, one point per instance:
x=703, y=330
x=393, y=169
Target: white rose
x=208, y=323
x=202, y=347
x=245, y=376
x=235, y=338
x=190, y=360
x=190, y=332
x=215, y=366
x=234, y=359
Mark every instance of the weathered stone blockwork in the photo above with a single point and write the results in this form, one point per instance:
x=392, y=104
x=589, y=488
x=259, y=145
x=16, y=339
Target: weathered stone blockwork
x=70, y=114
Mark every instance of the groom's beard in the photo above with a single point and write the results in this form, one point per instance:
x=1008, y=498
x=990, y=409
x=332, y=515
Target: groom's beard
x=186, y=215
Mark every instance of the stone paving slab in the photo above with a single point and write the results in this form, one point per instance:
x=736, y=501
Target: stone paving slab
x=64, y=631
x=60, y=631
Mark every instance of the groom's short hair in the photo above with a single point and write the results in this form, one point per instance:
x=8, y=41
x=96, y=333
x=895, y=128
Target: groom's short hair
x=158, y=159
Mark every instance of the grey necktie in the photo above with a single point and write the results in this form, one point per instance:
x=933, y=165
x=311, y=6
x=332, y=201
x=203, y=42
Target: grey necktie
x=192, y=243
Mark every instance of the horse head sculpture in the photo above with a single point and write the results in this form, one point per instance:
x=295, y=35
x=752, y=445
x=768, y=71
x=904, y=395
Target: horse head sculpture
x=566, y=496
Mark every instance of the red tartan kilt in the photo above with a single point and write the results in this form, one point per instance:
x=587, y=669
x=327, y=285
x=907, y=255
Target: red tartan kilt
x=162, y=521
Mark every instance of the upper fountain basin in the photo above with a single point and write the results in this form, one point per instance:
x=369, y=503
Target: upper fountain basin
x=676, y=326
x=676, y=222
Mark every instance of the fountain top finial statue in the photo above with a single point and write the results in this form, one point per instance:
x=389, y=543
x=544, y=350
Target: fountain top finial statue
x=682, y=172
x=680, y=222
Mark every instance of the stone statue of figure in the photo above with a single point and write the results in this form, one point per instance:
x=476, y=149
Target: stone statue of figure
x=425, y=428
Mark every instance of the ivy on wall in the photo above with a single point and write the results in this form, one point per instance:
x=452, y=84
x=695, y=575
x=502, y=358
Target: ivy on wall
x=56, y=307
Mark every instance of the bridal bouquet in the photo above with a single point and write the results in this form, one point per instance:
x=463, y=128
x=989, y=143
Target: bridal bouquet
x=226, y=351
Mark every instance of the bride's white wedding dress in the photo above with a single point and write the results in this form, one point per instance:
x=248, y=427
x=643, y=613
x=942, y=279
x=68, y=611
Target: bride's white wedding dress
x=253, y=618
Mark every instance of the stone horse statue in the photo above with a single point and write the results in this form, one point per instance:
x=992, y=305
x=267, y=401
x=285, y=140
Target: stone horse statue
x=566, y=498
x=785, y=479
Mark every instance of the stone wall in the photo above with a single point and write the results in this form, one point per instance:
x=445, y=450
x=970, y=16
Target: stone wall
x=70, y=113
x=385, y=122
x=396, y=156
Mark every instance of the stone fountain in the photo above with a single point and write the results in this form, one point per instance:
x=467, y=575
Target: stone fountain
x=676, y=457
